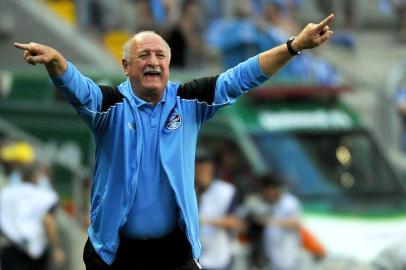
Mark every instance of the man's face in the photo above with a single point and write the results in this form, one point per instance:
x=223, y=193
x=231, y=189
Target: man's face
x=148, y=66
x=272, y=194
x=204, y=173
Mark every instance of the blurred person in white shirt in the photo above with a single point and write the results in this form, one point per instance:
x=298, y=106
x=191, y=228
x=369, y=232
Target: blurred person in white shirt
x=275, y=213
x=28, y=223
x=217, y=202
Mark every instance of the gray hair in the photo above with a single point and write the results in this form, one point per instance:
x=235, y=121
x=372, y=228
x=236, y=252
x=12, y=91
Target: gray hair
x=127, y=44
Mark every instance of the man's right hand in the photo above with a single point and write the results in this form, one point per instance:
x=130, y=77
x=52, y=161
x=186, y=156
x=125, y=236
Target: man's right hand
x=35, y=53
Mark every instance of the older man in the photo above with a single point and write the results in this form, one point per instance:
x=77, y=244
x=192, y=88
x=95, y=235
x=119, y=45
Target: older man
x=143, y=205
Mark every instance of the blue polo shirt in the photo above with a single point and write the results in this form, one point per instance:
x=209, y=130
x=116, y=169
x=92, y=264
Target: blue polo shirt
x=154, y=210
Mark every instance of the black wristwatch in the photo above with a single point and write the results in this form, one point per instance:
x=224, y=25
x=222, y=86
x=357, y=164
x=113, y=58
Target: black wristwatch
x=289, y=45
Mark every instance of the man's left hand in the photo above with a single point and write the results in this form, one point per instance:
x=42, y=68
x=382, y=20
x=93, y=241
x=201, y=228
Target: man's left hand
x=313, y=35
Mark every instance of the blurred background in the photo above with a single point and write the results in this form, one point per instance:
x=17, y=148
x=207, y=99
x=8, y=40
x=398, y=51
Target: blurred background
x=331, y=123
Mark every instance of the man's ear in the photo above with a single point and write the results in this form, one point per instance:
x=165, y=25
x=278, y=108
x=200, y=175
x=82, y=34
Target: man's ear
x=125, y=66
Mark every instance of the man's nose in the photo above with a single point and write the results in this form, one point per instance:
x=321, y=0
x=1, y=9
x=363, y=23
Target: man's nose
x=153, y=60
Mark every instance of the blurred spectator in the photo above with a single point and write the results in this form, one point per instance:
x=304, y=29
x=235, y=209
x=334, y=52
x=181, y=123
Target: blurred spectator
x=305, y=68
x=217, y=202
x=13, y=156
x=253, y=211
x=6, y=82
x=282, y=14
x=240, y=37
x=185, y=37
x=400, y=9
x=145, y=19
x=28, y=223
x=46, y=176
x=345, y=36
x=213, y=10
x=275, y=216
x=93, y=15
x=400, y=99
x=7, y=23
x=235, y=38
x=232, y=167
x=156, y=15
x=281, y=235
x=229, y=164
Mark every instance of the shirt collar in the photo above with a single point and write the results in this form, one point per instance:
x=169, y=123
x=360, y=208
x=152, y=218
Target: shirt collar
x=140, y=102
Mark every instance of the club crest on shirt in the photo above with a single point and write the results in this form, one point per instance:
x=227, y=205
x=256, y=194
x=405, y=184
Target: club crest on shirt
x=174, y=121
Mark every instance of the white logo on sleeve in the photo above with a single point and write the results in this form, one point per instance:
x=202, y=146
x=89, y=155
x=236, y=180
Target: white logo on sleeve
x=174, y=121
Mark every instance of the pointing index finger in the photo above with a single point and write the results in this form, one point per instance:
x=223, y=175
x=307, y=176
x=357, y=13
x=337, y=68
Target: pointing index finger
x=22, y=46
x=325, y=22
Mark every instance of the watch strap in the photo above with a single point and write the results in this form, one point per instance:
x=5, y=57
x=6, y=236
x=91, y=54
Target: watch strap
x=289, y=45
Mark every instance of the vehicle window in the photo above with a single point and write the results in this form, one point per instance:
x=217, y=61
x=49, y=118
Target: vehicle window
x=329, y=164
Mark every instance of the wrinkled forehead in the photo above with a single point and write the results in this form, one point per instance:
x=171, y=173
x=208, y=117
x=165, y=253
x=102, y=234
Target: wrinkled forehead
x=150, y=42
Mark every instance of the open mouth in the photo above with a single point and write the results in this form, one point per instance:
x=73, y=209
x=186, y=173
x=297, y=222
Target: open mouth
x=152, y=74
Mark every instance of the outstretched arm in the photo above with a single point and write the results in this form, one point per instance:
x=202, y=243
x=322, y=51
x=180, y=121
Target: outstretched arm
x=83, y=93
x=35, y=53
x=229, y=85
x=313, y=35
x=230, y=222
